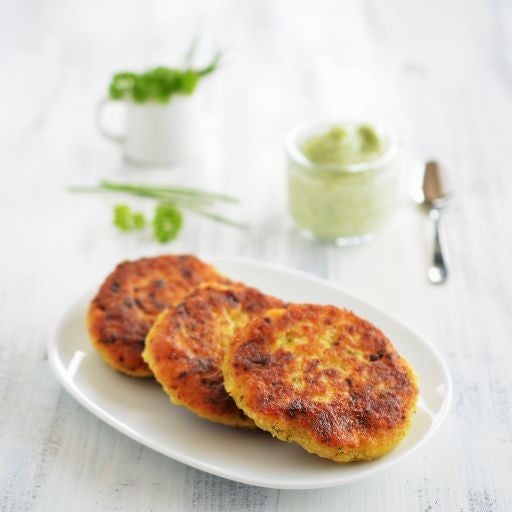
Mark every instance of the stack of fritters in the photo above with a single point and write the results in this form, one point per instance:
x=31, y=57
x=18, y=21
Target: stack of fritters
x=316, y=375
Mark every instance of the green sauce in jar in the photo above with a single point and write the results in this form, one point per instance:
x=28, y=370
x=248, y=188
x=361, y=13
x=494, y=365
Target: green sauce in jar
x=341, y=181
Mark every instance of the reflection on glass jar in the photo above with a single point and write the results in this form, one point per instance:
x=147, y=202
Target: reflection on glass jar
x=342, y=180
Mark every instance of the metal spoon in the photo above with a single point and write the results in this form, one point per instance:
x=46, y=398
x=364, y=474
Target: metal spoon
x=435, y=198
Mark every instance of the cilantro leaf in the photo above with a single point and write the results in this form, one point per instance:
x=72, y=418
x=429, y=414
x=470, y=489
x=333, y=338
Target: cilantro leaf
x=139, y=221
x=127, y=220
x=167, y=222
x=158, y=84
x=121, y=85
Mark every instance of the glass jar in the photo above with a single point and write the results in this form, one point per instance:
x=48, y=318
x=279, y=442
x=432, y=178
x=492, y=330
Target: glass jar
x=341, y=203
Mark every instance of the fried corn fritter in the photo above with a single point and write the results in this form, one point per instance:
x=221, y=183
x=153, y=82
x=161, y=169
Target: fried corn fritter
x=185, y=348
x=131, y=298
x=324, y=378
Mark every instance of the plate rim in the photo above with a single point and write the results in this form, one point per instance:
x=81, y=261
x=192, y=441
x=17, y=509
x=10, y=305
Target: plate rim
x=61, y=374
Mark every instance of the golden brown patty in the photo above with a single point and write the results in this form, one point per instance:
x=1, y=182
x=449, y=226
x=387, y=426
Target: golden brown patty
x=185, y=348
x=131, y=298
x=324, y=378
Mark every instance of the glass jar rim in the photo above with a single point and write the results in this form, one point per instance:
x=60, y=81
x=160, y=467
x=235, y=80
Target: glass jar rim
x=315, y=127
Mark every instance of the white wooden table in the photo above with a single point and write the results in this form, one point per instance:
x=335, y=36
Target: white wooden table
x=439, y=73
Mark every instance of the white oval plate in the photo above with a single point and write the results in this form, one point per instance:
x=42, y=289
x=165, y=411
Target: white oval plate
x=139, y=408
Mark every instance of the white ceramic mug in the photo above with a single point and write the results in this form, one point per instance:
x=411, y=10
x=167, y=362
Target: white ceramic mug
x=154, y=134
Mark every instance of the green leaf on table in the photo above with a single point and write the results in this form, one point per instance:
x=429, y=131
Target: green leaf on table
x=139, y=220
x=127, y=220
x=167, y=222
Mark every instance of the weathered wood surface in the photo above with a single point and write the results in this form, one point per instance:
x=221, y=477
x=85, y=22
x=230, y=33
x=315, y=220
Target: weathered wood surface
x=439, y=72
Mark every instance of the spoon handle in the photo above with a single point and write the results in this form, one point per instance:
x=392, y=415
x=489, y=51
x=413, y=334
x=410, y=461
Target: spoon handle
x=438, y=271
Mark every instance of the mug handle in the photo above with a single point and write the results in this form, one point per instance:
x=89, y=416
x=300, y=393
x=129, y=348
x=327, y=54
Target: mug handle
x=119, y=139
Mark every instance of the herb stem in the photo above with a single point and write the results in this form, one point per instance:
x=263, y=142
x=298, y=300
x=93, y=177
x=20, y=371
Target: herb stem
x=216, y=217
x=194, y=200
x=157, y=192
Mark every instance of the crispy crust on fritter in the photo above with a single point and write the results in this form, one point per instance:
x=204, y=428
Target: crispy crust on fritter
x=131, y=298
x=323, y=378
x=185, y=348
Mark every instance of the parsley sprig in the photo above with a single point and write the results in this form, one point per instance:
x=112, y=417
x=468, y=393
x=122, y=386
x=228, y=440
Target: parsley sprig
x=167, y=222
x=127, y=220
x=158, y=84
